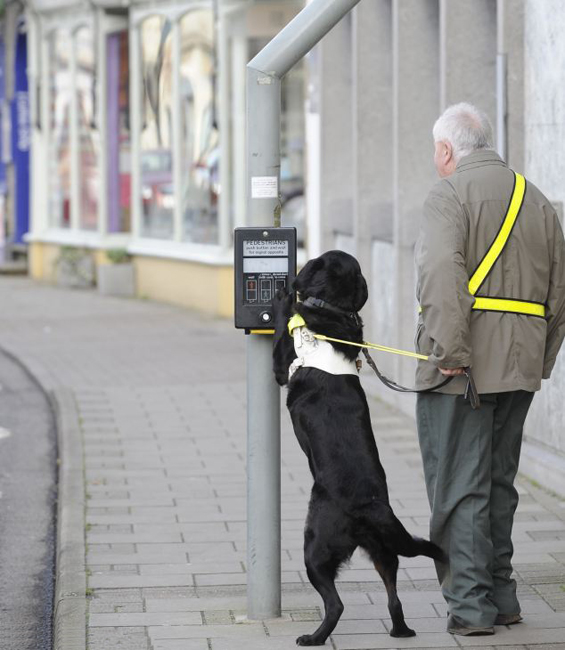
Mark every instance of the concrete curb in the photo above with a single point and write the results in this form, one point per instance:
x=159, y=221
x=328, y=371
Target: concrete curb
x=70, y=607
x=69, y=624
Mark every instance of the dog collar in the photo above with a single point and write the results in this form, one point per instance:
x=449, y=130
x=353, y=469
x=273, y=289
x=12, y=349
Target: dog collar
x=322, y=304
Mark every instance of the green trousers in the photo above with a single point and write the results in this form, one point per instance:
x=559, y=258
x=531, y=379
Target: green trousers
x=470, y=463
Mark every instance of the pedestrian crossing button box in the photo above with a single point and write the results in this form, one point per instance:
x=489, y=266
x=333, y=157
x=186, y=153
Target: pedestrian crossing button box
x=265, y=262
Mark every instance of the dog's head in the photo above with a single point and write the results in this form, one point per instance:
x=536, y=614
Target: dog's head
x=334, y=277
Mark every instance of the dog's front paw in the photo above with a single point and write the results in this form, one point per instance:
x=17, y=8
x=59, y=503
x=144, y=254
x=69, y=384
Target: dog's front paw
x=282, y=296
x=282, y=307
x=282, y=292
x=309, y=639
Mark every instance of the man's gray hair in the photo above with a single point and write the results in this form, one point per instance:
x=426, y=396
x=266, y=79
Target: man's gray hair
x=466, y=128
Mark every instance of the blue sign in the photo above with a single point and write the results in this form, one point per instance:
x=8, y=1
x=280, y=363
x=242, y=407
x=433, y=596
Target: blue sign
x=21, y=137
x=2, y=98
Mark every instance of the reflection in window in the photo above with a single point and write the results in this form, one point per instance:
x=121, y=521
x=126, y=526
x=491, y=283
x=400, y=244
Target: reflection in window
x=156, y=128
x=199, y=133
x=87, y=132
x=59, y=142
x=119, y=135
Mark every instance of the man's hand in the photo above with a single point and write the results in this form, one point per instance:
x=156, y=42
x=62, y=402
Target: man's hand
x=452, y=372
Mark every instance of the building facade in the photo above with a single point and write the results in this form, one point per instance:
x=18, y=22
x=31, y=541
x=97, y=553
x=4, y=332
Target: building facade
x=138, y=115
x=138, y=137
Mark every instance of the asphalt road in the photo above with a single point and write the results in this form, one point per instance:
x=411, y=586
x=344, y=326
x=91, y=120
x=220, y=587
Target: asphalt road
x=28, y=473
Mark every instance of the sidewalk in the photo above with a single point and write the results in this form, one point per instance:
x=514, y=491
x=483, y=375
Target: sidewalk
x=154, y=396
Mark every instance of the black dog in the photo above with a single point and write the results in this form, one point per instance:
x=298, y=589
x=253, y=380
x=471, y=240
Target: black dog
x=349, y=504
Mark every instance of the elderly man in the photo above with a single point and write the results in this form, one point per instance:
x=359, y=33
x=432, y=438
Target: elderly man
x=491, y=287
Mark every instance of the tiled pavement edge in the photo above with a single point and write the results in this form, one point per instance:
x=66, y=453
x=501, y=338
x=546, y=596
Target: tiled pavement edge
x=158, y=399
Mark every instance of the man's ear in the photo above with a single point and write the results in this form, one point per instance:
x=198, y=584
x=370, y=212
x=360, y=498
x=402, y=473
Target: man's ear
x=448, y=152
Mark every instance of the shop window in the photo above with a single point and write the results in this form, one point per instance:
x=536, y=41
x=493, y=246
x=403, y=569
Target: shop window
x=119, y=134
x=85, y=85
x=59, y=120
x=156, y=128
x=200, y=156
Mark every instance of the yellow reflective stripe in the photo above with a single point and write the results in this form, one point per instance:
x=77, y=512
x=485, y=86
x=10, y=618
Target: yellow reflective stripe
x=495, y=250
x=513, y=306
x=294, y=322
x=261, y=331
x=502, y=304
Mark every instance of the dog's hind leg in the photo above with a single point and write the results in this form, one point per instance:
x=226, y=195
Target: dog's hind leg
x=328, y=543
x=386, y=564
x=322, y=564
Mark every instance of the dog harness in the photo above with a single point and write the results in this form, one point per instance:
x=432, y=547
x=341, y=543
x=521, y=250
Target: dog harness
x=312, y=352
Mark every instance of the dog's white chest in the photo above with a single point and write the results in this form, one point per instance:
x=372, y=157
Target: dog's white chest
x=313, y=353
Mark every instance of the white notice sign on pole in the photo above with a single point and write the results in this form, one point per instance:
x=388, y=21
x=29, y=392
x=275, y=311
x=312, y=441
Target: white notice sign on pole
x=264, y=187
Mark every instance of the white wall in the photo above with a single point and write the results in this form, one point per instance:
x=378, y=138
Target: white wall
x=544, y=118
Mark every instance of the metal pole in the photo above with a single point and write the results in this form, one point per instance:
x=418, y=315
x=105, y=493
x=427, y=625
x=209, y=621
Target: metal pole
x=300, y=35
x=263, y=481
x=263, y=127
x=264, y=74
x=263, y=395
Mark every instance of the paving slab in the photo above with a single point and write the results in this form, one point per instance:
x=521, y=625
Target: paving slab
x=243, y=631
x=517, y=634
x=374, y=641
x=181, y=644
x=144, y=619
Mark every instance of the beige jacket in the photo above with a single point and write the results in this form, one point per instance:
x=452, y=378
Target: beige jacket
x=462, y=216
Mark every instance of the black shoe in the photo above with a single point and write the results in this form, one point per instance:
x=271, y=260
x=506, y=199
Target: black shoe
x=507, y=619
x=454, y=626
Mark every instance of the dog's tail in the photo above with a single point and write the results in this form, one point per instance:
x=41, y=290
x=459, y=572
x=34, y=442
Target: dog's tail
x=419, y=546
x=403, y=543
x=411, y=546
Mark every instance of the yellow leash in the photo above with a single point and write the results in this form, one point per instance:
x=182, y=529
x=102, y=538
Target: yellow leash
x=374, y=346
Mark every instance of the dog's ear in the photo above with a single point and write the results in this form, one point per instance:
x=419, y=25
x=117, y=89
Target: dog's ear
x=361, y=292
